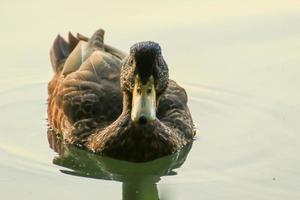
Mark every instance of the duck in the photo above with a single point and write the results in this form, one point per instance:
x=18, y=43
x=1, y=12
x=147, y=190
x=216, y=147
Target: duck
x=115, y=104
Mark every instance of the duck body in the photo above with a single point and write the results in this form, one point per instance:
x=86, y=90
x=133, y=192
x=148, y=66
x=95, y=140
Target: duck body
x=114, y=104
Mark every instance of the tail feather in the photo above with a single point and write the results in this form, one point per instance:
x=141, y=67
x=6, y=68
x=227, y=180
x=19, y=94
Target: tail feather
x=97, y=40
x=58, y=53
x=116, y=52
x=61, y=49
x=82, y=37
x=73, y=41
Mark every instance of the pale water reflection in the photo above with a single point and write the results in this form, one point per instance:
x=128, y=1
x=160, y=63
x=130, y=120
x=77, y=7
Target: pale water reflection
x=238, y=60
x=139, y=180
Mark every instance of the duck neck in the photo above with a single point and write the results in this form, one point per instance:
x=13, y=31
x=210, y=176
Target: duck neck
x=126, y=103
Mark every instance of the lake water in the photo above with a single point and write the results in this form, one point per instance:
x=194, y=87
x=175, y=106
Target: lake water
x=239, y=62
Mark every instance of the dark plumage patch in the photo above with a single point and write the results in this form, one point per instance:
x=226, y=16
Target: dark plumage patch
x=145, y=55
x=73, y=41
x=58, y=53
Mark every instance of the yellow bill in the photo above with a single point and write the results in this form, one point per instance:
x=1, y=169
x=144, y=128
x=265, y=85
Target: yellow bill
x=143, y=101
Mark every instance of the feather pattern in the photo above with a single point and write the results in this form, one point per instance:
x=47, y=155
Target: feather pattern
x=90, y=105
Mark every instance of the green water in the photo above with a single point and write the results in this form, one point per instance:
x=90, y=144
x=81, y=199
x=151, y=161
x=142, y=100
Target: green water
x=239, y=62
x=139, y=180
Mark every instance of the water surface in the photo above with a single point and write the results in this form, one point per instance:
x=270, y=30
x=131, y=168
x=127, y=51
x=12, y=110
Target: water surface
x=239, y=62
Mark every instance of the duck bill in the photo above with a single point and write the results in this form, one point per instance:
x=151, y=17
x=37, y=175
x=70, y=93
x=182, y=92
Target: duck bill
x=143, y=101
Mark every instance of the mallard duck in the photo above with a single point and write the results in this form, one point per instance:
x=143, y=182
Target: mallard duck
x=113, y=104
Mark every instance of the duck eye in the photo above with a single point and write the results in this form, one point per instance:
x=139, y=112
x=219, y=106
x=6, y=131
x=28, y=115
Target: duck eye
x=149, y=91
x=130, y=61
x=138, y=90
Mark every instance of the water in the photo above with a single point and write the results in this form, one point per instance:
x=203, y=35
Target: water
x=239, y=62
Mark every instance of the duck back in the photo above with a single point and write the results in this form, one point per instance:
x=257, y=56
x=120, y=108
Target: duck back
x=85, y=90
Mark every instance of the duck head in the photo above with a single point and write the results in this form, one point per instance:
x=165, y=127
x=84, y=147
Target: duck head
x=144, y=77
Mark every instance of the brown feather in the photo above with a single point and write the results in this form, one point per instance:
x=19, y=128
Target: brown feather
x=87, y=108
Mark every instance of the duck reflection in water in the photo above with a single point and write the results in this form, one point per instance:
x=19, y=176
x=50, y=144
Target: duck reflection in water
x=139, y=179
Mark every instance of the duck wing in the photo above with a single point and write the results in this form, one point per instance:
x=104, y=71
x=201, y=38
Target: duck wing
x=173, y=111
x=85, y=90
